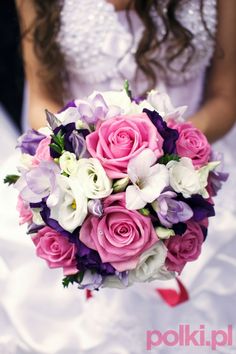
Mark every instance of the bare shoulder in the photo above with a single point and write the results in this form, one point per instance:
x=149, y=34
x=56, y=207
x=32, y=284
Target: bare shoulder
x=26, y=13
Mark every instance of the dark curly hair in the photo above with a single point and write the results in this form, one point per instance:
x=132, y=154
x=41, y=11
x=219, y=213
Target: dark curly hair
x=47, y=25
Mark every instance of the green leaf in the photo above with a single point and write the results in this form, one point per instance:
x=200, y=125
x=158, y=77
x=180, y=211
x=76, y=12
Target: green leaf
x=144, y=211
x=167, y=158
x=69, y=279
x=11, y=179
x=58, y=142
x=127, y=89
x=56, y=148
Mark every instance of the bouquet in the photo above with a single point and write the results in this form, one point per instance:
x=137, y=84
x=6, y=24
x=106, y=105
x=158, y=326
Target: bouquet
x=117, y=190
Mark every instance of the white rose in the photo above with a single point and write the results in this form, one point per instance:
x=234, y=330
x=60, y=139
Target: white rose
x=68, y=163
x=183, y=177
x=151, y=265
x=93, y=179
x=71, y=207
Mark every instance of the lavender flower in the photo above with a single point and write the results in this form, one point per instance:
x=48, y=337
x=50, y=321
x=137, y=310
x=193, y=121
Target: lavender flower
x=171, y=211
x=29, y=141
x=95, y=207
x=91, y=281
x=93, y=110
x=217, y=176
x=38, y=183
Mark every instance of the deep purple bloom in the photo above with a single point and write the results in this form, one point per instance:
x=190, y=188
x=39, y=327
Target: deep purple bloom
x=74, y=140
x=90, y=259
x=179, y=228
x=201, y=208
x=169, y=135
x=29, y=141
x=171, y=211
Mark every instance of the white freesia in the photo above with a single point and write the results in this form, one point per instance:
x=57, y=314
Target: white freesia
x=68, y=163
x=161, y=102
x=151, y=265
x=45, y=131
x=203, y=174
x=184, y=178
x=25, y=161
x=69, y=115
x=93, y=179
x=148, y=180
x=117, y=99
x=71, y=207
x=137, y=108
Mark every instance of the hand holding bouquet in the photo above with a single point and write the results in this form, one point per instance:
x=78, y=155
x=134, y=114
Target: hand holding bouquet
x=117, y=191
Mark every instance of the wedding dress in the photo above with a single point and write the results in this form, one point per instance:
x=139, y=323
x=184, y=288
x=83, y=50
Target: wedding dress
x=36, y=314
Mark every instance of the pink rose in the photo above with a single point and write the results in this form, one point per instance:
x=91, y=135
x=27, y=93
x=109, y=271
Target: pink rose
x=24, y=210
x=120, y=236
x=185, y=248
x=191, y=143
x=119, y=139
x=42, y=151
x=56, y=250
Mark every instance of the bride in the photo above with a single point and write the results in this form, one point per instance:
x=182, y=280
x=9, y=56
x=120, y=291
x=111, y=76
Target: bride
x=185, y=48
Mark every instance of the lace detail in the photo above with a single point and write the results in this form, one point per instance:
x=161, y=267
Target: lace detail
x=98, y=44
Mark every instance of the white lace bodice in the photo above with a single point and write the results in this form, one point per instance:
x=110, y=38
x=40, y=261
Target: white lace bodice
x=99, y=47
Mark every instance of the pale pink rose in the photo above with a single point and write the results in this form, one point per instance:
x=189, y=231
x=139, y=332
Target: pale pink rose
x=42, y=151
x=119, y=139
x=191, y=143
x=56, y=250
x=24, y=210
x=185, y=248
x=120, y=236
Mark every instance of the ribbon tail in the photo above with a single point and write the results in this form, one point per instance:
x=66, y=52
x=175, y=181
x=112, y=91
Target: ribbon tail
x=172, y=297
x=88, y=294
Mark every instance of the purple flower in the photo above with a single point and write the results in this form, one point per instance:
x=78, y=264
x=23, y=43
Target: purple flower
x=78, y=143
x=171, y=211
x=38, y=183
x=95, y=207
x=91, y=281
x=29, y=141
x=68, y=105
x=169, y=135
x=74, y=140
x=90, y=259
x=93, y=110
x=217, y=176
x=201, y=208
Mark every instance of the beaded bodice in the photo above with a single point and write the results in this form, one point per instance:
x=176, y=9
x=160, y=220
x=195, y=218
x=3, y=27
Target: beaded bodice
x=98, y=44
